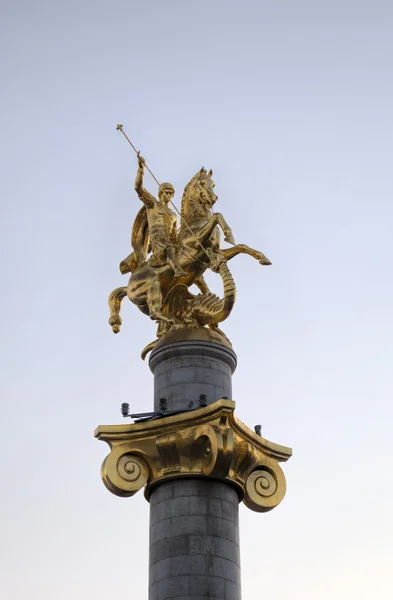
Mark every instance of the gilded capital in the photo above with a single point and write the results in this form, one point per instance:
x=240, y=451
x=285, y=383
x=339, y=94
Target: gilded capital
x=209, y=442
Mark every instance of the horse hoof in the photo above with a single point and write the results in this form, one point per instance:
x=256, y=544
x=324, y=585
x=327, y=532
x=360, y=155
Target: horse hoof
x=229, y=239
x=115, y=323
x=264, y=262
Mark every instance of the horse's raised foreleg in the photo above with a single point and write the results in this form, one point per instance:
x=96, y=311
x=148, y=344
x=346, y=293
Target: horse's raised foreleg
x=204, y=234
x=114, y=302
x=226, y=229
x=243, y=249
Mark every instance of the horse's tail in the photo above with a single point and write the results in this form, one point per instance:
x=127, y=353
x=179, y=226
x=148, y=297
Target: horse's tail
x=114, y=301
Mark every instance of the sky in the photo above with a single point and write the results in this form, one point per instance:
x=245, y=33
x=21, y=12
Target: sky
x=290, y=103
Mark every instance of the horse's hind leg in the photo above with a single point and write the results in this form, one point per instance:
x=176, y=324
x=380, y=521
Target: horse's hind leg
x=154, y=301
x=243, y=249
x=202, y=285
x=114, y=301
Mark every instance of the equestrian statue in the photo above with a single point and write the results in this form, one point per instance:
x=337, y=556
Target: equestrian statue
x=165, y=261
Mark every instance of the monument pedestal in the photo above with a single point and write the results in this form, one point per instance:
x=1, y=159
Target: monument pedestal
x=196, y=466
x=186, y=367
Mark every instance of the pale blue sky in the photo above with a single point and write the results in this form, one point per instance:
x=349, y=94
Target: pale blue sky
x=291, y=104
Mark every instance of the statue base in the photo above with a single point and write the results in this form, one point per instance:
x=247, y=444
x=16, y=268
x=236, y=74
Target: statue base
x=190, y=363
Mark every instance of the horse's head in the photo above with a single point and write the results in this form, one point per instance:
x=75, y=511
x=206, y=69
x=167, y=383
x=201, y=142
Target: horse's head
x=199, y=190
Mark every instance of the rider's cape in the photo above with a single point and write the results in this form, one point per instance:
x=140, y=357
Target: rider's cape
x=140, y=242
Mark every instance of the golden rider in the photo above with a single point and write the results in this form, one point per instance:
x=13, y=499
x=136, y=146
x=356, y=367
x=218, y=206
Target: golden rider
x=162, y=223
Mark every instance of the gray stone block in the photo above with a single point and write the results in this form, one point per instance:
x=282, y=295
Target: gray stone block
x=190, y=487
x=174, y=546
x=198, y=505
x=232, y=590
x=160, y=530
x=203, y=488
x=188, y=565
x=221, y=567
x=154, y=517
x=171, y=587
x=195, y=525
x=217, y=489
x=230, y=511
x=174, y=507
x=161, y=492
x=153, y=591
x=222, y=528
x=214, y=546
x=207, y=586
x=159, y=570
x=214, y=507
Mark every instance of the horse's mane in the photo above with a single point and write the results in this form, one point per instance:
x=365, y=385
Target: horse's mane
x=186, y=191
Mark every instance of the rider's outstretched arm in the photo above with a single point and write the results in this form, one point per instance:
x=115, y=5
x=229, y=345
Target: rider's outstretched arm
x=143, y=194
x=139, y=176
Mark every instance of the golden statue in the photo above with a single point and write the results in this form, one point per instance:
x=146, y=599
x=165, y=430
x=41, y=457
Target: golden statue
x=159, y=284
x=161, y=225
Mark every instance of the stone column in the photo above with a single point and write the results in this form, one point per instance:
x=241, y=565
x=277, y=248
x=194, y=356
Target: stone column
x=194, y=524
x=194, y=541
x=196, y=463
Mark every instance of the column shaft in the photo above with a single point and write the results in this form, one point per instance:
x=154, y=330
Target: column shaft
x=194, y=541
x=183, y=371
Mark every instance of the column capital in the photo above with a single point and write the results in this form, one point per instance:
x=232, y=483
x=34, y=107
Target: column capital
x=209, y=442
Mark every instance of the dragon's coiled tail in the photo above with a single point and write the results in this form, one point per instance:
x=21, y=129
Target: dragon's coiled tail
x=210, y=309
